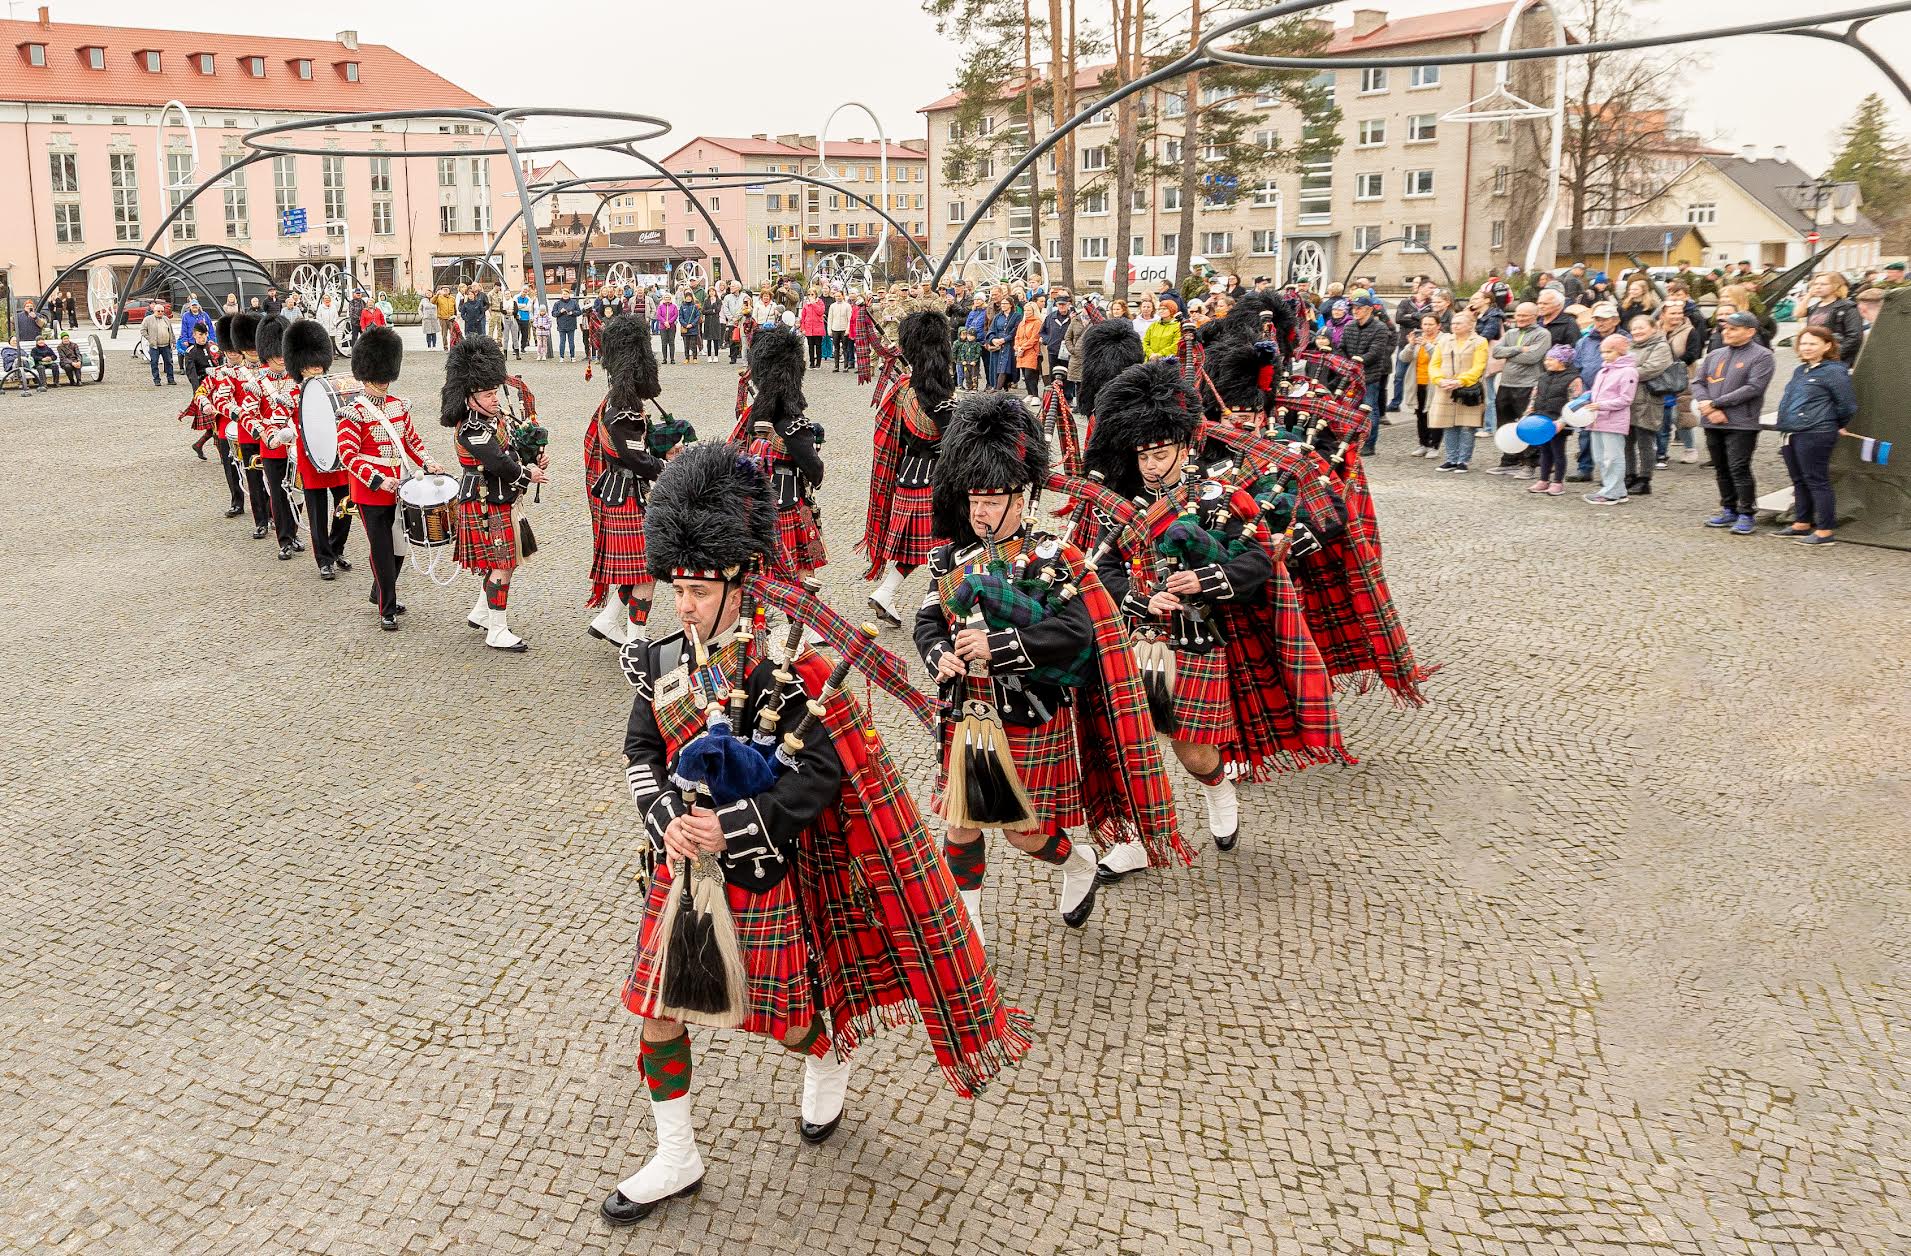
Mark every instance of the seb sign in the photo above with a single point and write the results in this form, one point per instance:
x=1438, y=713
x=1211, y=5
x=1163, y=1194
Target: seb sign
x=1150, y=272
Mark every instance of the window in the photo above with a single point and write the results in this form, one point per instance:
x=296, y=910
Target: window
x=1139, y=201
x=150, y=60
x=1317, y=192
x=1703, y=214
x=773, y=201
x=448, y=219
x=480, y=172
x=716, y=204
x=332, y=181
x=255, y=66
x=1093, y=248
x=772, y=229
x=204, y=60
x=1171, y=152
x=238, y=204
x=1105, y=117
x=1173, y=105
x=65, y=169
x=1095, y=202
x=1423, y=76
x=1499, y=235
x=1137, y=246
x=918, y=204
x=985, y=167
x=1373, y=133
x=1267, y=193
x=1500, y=176
x=1419, y=183
x=851, y=231
x=1054, y=248
x=955, y=132
x=1417, y=237
x=66, y=222
x=36, y=54
x=1421, y=128
x=179, y=181
x=1216, y=95
x=1217, y=243
x=381, y=217
x=1366, y=238
x=350, y=70
x=835, y=201
x=381, y=176
x=689, y=235
x=1212, y=152
x=1096, y=158
x=1266, y=243
x=1373, y=80
x=1267, y=141
x=285, y=185
x=869, y=174
x=956, y=213
x=1171, y=198
x=123, y=172
x=302, y=69
x=1369, y=187
x=1170, y=243
x=96, y=58
x=481, y=216
x=447, y=172
x=985, y=126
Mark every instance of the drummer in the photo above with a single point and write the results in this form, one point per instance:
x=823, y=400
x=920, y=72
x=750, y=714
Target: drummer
x=273, y=428
x=377, y=444
x=493, y=479
x=225, y=427
x=308, y=355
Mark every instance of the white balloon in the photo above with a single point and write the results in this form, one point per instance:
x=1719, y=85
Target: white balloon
x=789, y=319
x=1577, y=416
x=1508, y=439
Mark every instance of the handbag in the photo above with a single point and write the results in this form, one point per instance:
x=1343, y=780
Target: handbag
x=1469, y=395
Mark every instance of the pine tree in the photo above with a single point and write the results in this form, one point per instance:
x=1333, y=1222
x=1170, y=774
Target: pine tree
x=1872, y=156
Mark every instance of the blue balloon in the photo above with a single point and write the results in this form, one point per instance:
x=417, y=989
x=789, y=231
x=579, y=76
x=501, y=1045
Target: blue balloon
x=1537, y=429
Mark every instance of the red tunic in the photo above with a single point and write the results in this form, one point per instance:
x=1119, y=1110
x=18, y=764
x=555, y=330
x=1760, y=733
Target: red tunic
x=368, y=454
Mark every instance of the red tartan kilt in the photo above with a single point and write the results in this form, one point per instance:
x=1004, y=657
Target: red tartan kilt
x=912, y=527
x=203, y=419
x=1203, y=699
x=618, y=552
x=487, y=538
x=802, y=540
x=1337, y=624
x=775, y=955
x=1045, y=760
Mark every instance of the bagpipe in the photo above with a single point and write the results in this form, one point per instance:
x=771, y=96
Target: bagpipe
x=529, y=438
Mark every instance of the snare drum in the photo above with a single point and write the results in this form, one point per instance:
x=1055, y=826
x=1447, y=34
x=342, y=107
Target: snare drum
x=322, y=399
x=428, y=504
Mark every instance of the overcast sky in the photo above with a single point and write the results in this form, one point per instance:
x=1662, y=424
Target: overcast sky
x=735, y=67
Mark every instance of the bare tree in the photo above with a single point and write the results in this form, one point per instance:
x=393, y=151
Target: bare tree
x=1129, y=18
x=1062, y=46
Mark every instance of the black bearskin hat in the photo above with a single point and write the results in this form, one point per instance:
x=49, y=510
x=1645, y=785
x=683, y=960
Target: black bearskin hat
x=245, y=332
x=993, y=442
x=269, y=338
x=473, y=365
x=1234, y=365
x=1142, y=407
x=630, y=363
x=307, y=343
x=776, y=371
x=711, y=515
x=1108, y=348
x=1244, y=319
x=377, y=355
x=222, y=332
x=924, y=339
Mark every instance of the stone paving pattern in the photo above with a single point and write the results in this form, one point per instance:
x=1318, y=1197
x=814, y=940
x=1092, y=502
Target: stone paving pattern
x=313, y=934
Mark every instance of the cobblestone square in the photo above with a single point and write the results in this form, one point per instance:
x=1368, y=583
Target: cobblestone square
x=312, y=934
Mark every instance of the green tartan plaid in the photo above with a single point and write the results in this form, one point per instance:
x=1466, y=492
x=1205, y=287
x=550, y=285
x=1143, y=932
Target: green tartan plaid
x=1007, y=603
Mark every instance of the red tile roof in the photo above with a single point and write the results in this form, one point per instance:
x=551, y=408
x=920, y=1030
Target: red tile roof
x=750, y=146
x=1452, y=24
x=386, y=79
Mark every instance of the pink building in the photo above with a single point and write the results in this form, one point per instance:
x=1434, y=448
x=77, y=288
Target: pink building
x=90, y=154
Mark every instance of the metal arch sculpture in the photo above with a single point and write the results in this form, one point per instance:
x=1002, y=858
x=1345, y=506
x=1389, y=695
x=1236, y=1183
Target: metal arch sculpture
x=1031, y=268
x=619, y=183
x=165, y=223
x=165, y=263
x=1354, y=268
x=748, y=178
x=882, y=153
x=1209, y=53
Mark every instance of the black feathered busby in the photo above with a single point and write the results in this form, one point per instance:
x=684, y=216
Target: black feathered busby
x=630, y=364
x=307, y=344
x=1238, y=369
x=269, y=338
x=376, y=356
x=1108, y=348
x=711, y=515
x=924, y=339
x=474, y=364
x=245, y=332
x=1140, y=408
x=992, y=444
x=776, y=372
x=222, y=332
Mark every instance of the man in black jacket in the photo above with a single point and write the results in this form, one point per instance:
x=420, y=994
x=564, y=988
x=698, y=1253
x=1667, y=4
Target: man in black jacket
x=1369, y=341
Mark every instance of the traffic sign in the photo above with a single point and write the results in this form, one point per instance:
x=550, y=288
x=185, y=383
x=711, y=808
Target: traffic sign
x=292, y=222
x=1811, y=237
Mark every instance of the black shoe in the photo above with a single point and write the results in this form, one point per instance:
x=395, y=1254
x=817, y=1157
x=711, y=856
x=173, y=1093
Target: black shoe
x=285, y=552
x=1632, y=482
x=298, y=546
x=1083, y=910
x=1579, y=479
x=1227, y=843
x=202, y=453
x=258, y=533
x=235, y=512
x=326, y=573
x=1644, y=487
x=617, y=1210
x=398, y=608
x=388, y=623
x=817, y=1135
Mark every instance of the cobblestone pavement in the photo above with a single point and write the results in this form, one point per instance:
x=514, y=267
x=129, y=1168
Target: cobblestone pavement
x=313, y=934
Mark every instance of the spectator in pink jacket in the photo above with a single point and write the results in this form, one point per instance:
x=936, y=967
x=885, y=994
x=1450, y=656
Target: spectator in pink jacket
x=1612, y=391
x=813, y=321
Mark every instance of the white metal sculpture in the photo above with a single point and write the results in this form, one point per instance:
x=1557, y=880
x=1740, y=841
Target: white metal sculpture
x=844, y=270
x=689, y=273
x=1002, y=261
x=882, y=147
x=102, y=294
x=1309, y=265
x=620, y=274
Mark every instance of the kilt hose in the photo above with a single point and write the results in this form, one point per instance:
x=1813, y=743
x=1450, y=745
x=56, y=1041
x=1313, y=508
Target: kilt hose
x=1045, y=760
x=800, y=538
x=912, y=527
x=487, y=538
x=1203, y=699
x=772, y=940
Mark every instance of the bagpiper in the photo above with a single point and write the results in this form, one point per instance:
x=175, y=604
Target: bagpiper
x=778, y=430
x=779, y=836
x=274, y=430
x=379, y=447
x=308, y=355
x=899, y=525
x=1233, y=677
x=491, y=481
x=1046, y=727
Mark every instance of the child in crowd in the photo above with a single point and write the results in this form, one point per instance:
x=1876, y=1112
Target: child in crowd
x=541, y=323
x=1549, y=398
x=1612, y=391
x=968, y=356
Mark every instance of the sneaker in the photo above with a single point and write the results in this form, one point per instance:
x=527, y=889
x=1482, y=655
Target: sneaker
x=1577, y=478
x=1538, y=486
x=1743, y=527
x=1815, y=539
x=1445, y=466
x=1796, y=534
x=1596, y=499
x=1723, y=519
x=1689, y=457
x=1459, y=468
x=1662, y=464
x=1502, y=470
x=1519, y=473
x=1644, y=487
x=1555, y=489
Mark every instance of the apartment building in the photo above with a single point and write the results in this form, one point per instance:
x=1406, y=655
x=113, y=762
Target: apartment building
x=1443, y=192
x=94, y=159
x=782, y=228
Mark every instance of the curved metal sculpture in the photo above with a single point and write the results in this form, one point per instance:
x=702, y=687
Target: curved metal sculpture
x=125, y=250
x=1354, y=269
x=1005, y=261
x=845, y=270
x=1212, y=51
x=882, y=151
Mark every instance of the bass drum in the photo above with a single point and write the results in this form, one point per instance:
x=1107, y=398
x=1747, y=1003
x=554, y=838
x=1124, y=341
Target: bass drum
x=428, y=504
x=322, y=399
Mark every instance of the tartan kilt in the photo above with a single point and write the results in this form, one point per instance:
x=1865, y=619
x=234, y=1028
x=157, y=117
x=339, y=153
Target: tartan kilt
x=1338, y=624
x=801, y=539
x=770, y=936
x=203, y=419
x=1203, y=699
x=912, y=526
x=618, y=552
x=487, y=538
x=1045, y=760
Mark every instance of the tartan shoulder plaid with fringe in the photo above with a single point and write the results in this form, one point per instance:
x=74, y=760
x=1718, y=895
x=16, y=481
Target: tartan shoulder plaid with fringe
x=1011, y=601
x=1059, y=417
x=884, y=468
x=1284, y=697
